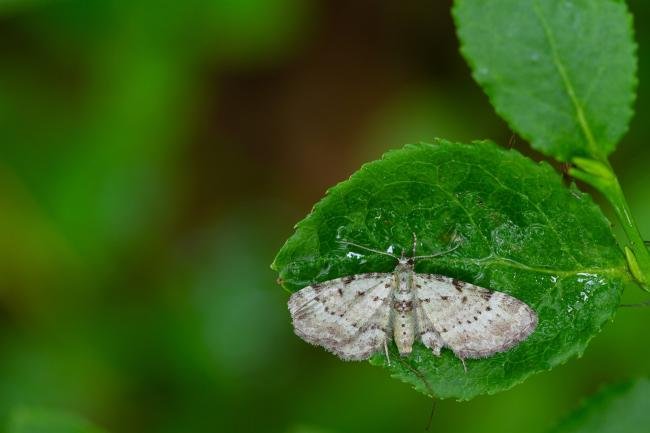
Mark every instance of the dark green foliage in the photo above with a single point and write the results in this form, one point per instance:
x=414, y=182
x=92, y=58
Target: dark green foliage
x=31, y=420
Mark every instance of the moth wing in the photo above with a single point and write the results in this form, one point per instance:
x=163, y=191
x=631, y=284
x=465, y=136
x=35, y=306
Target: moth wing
x=472, y=321
x=426, y=331
x=349, y=316
x=370, y=338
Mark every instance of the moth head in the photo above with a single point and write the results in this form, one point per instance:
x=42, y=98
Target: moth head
x=405, y=262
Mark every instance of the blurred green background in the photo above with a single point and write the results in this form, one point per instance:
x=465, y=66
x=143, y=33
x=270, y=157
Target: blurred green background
x=153, y=158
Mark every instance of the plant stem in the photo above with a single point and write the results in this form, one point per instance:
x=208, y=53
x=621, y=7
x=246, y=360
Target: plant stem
x=636, y=243
x=602, y=177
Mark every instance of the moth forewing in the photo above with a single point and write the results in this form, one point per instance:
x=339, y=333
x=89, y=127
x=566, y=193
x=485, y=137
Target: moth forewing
x=348, y=316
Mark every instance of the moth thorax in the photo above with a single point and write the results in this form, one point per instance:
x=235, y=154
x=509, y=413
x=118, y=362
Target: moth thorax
x=404, y=266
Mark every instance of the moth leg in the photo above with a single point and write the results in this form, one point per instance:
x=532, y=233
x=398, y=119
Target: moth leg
x=386, y=350
x=463, y=361
x=433, y=341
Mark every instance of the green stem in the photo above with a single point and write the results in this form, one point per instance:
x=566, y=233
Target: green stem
x=601, y=176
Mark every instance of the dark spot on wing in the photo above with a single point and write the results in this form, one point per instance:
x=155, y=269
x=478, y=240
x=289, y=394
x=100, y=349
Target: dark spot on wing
x=464, y=300
x=403, y=306
x=444, y=298
x=375, y=299
x=458, y=285
x=419, y=286
x=340, y=292
x=488, y=308
x=348, y=280
x=361, y=293
x=444, y=329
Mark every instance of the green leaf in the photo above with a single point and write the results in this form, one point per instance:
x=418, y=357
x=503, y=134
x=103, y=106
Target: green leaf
x=561, y=72
x=620, y=408
x=520, y=231
x=32, y=420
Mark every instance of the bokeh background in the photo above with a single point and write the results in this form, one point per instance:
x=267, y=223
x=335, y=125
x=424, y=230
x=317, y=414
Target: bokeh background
x=154, y=156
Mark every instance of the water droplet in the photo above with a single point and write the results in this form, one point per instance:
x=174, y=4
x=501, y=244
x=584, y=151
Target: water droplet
x=483, y=71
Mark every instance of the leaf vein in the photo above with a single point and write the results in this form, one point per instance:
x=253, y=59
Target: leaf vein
x=568, y=85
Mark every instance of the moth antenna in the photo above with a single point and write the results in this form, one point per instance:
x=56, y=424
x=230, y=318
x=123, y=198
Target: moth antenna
x=512, y=141
x=386, y=350
x=419, y=374
x=369, y=249
x=442, y=253
x=415, y=243
x=640, y=304
x=433, y=411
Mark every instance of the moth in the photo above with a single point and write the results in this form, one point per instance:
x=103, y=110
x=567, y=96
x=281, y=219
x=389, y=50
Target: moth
x=355, y=316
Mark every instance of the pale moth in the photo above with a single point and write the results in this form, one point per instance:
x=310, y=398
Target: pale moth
x=355, y=316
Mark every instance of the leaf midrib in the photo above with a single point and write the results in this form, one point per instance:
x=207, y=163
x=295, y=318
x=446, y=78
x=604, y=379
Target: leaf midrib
x=559, y=65
x=494, y=259
x=503, y=261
